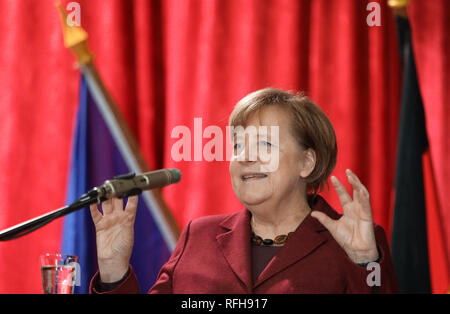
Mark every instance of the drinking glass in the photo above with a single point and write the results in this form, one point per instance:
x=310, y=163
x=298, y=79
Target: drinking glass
x=59, y=273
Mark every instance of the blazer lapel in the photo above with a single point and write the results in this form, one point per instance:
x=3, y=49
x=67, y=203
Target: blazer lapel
x=307, y=237
x=234, y=242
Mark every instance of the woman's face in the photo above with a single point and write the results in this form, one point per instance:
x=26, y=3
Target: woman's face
x=254, y=178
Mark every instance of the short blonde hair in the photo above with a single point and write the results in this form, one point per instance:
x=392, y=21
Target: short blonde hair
x=310, y=126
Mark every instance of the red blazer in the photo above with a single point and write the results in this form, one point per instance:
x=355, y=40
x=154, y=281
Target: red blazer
x=213, y=255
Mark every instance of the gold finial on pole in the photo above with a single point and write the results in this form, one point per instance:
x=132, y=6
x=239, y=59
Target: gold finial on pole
x=75, y=38
x=398, y=3
x=399, y=7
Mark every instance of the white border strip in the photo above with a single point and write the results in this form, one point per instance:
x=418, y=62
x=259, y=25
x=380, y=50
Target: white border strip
x=130, y=159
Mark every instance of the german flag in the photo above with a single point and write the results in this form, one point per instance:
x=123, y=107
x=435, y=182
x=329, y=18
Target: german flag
x=418, y=249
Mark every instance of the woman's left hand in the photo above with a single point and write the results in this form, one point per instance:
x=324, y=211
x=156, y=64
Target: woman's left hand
x=354, y=231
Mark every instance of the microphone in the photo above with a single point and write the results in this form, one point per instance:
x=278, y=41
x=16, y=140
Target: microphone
x=120, y=186
x=131, y=184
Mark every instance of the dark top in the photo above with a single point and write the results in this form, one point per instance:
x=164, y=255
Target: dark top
x=261, y=256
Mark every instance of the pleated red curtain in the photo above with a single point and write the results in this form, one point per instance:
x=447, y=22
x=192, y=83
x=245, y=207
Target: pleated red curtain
x=38, y=97
x=167, y=62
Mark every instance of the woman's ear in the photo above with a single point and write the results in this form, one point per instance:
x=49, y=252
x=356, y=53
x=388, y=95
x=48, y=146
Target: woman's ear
x=308, y=162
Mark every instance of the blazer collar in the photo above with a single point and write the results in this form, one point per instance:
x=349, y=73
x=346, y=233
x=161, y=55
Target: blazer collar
x=234, y=242
x=307, y=237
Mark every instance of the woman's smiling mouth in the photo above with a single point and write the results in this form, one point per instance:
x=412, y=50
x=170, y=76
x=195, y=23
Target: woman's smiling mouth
x=253, y=176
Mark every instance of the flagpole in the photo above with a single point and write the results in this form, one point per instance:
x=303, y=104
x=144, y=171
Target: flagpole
x=75, y=38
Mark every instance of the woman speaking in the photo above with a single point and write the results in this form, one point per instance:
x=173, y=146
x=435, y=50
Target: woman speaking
x=287, y=239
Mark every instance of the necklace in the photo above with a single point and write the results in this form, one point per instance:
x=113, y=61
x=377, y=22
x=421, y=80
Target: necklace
x=280, y=239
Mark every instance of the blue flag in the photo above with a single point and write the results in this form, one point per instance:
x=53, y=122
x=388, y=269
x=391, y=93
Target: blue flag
x=99, y=153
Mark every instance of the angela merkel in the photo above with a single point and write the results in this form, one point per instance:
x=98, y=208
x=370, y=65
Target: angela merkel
x=286, y=239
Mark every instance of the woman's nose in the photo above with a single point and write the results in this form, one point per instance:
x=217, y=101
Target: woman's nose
x=249, y=154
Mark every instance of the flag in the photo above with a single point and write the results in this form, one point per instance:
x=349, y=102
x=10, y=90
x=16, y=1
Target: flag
x=100, y=151
x=409, y=232
x=418, y=246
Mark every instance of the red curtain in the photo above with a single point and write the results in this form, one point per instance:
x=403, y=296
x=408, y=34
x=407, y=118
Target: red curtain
x=168, y=62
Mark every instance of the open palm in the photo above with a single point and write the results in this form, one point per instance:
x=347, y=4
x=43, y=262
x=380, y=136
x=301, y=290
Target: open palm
x=115, y=234
x=354, y=231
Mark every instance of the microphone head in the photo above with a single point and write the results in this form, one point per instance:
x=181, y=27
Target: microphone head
x=175, y=175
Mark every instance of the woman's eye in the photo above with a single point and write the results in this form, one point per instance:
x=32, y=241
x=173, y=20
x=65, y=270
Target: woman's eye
x=265, y=143
x=237, y=146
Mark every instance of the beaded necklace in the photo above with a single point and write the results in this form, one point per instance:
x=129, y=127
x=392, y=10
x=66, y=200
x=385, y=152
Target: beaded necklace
x=280, y=239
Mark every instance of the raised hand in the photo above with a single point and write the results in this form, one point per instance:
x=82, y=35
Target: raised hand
x=115, y=236
x=354, y=231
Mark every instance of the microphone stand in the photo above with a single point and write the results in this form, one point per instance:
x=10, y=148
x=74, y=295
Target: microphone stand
x=28, y=226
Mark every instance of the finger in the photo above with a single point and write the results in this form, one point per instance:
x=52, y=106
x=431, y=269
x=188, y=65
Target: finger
x=95, y=213
x=361, y=195
x=360, y=192
x=355, y=182
x=107, y=207
x=341, y=191
x=363, y=199
x=132, y=204
x=326, y=221
x=117, y=204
